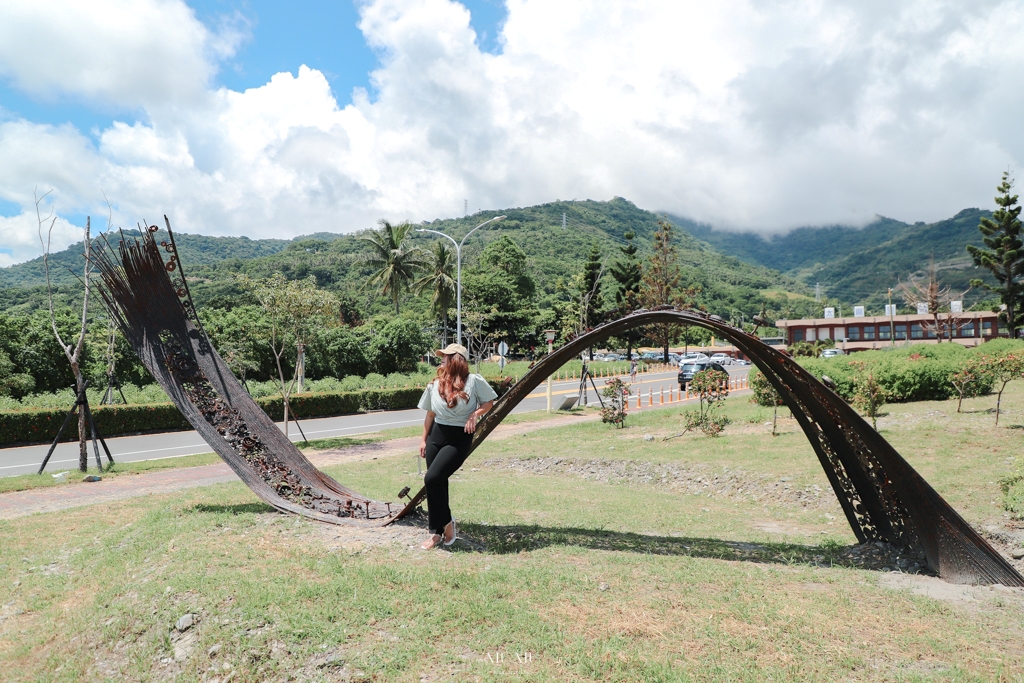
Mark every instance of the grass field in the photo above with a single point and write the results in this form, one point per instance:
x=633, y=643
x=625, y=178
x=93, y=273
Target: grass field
x=588, y=554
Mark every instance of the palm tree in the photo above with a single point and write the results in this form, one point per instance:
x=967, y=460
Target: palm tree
x=439, y=281
x=394, y=262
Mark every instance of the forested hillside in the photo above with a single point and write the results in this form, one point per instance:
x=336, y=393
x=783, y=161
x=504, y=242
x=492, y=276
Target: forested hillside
x=858, y=265
x=554, y=255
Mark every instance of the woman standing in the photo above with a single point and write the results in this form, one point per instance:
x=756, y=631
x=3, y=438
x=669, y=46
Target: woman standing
x=454, y=402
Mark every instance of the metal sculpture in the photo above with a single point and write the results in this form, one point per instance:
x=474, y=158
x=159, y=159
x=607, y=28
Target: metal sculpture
x=150, y=302
x=883, y=497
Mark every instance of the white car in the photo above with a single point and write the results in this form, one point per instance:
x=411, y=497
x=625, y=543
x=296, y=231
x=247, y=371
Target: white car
x=721, y=359
x=693, y=357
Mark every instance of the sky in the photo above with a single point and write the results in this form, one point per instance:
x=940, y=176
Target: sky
x=272, y=119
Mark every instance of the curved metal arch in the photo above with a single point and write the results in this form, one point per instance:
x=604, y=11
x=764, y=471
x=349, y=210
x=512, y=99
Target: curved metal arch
x=883, y=497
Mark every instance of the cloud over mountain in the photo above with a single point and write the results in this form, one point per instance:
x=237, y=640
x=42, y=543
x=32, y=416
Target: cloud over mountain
x=740, y=113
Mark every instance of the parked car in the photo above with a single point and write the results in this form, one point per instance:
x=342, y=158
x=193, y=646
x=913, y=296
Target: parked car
x=740, y=361
x=692, y=356
x=832, y=353
x=690, y=368
x=722, y=358
x=609, y=357
x=650, y=355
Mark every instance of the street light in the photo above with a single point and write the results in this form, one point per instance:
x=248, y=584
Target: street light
x=458, y=261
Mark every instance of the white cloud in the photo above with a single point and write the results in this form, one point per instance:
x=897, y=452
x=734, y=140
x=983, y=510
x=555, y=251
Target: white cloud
x=741, y=113
x=127, y=53
x=19, y=237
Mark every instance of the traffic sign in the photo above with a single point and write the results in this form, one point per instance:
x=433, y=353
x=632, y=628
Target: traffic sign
x=502, y=350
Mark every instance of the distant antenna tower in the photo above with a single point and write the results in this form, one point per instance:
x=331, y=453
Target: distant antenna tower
x=563, y=220
x=465, y=207
x=817, y=292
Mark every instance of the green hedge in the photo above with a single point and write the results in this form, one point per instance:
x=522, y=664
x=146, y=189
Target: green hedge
x=911, y=373
x=40, y=426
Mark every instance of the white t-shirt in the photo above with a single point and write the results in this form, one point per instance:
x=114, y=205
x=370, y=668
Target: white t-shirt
x=478, y=390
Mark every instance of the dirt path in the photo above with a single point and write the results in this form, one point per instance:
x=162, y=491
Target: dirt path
x=51, y=499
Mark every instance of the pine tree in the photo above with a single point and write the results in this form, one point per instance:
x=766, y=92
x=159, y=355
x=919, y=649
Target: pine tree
x=628, y=274
x=1004, y=256
x=661, y=286
x=590, y=294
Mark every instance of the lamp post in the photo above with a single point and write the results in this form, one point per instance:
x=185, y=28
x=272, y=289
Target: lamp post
x=458, y=261
x=550, y=336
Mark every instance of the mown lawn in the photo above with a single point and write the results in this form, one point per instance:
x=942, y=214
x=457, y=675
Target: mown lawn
x=580, y=562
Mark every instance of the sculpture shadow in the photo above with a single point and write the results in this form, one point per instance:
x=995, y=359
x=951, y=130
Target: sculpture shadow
x=502, y=540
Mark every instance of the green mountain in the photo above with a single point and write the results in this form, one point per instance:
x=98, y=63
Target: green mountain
x=66, y=265
x=730, y=286
x=858, y=265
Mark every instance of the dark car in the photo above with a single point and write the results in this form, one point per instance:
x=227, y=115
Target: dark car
x=688, y=370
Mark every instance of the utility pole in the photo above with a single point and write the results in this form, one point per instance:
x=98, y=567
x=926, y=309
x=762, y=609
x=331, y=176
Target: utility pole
x=458, y=279
x=465, y=207
x=563, y=220
x=817, y=292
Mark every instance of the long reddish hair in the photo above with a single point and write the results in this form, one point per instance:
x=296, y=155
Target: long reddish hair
x=451, y=379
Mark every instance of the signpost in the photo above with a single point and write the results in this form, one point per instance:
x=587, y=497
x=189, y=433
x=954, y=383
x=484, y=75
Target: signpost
x=502, y=353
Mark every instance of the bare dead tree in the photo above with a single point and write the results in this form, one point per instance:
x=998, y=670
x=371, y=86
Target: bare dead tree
x=927, y=290
x=72, y=351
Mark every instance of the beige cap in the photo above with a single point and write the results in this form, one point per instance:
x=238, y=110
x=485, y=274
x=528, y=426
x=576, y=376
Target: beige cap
x=452, y=349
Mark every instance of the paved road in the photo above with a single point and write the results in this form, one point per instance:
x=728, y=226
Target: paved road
x=26, y=459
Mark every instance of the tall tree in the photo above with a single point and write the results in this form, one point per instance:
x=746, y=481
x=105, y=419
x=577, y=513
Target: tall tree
x=295, y=310
x=498, y=296
x=660, y=285
x=591, y=301
x=592, y=271
x=438, y=280
x=1004, y=255
x=627, y=274
x=395, y=264
x=73, y=350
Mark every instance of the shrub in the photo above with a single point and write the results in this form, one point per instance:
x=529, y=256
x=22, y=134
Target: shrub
x=352, y=383
x=764, y=394
x=40, y=426
x=912, y=373
x=617, y=393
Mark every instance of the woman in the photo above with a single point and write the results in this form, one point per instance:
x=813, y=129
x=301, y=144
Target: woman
x=454, y=402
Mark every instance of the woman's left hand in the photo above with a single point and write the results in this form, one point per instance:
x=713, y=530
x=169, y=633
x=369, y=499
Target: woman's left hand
x=471, y=423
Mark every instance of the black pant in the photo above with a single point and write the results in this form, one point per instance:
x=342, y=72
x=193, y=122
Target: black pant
x=447, y=449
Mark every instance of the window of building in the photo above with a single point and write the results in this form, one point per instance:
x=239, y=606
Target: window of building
x=967, y=330
x=916, y=331
x=869, y=332
x=798, y=335
x=810, y=334
x=930, y=331
x=901, y=331
x=883, y=331
x=986, y=328
x=853, y=332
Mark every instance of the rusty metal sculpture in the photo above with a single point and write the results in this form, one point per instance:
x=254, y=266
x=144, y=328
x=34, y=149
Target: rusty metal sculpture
x=883, y=497
x=149, y=300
